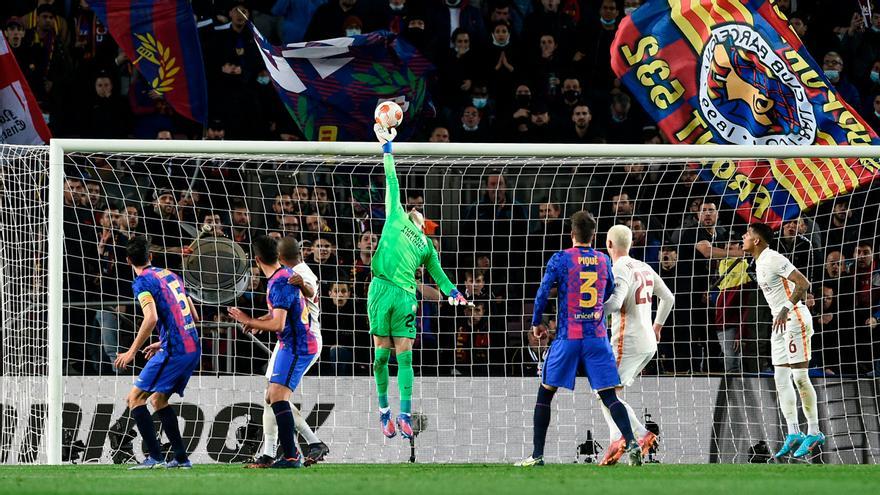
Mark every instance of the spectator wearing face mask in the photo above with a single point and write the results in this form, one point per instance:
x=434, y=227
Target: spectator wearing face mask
x=329, y=20
x=570, y=96
x=832, y=65
x=509, y=12
x=483, y=102
x=593, y=53
x=271, y=116
x=504, y=60
x=471, y=128
x=414, y=30
x=549, y=18
x=393, y=16
x=516, y=120
x=458, y=71
x=872, y=114
x=630, y=6
x=860, y=45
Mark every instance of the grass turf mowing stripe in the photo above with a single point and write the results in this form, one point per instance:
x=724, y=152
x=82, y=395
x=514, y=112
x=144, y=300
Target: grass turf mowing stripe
x=428, y=479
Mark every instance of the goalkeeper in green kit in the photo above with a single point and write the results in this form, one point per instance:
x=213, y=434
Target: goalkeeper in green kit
x=391, y=299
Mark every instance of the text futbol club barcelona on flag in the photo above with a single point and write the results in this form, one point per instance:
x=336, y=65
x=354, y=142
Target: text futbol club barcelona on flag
x=735, y=72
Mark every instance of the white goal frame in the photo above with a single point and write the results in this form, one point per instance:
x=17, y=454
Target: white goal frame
x=58, y=148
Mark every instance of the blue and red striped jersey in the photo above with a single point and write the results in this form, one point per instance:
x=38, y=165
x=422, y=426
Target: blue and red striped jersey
x=297, y=333
x=176, y=325
x=583, y=281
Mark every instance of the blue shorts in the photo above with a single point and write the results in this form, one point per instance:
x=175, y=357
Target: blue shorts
x=290, y=367
x=168, y=374
x=592, y=354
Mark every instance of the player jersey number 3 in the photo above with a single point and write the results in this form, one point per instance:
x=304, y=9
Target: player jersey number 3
x=177, y=290
x=589, y=294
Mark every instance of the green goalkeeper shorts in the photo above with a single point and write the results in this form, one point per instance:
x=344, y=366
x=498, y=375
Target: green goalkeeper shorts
x=392, y=310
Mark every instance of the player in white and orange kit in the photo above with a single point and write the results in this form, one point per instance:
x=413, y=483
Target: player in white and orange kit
x=633, y=335
x=784, y=288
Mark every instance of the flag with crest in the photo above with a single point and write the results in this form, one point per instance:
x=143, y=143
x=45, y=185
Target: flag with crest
x=735, y=72
x=161, y=39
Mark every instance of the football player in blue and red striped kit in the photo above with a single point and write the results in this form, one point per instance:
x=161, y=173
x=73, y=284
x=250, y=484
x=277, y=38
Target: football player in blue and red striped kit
x=171, y=361
x=289, y=318
x=583, y=280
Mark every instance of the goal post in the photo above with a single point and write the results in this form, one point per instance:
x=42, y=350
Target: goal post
x=262, y=168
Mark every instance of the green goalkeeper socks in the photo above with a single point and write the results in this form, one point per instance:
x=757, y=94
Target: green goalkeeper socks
x=405, y=376
x=380, y=372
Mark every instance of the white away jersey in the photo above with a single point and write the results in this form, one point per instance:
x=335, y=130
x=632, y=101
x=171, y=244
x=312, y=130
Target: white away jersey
x=313, y=304
x=773, y=271
x=631, y=327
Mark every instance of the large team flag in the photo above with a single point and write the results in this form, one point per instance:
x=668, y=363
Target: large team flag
x=161, y=39
x=21, y=121
x=332, y=87
x=735, y=72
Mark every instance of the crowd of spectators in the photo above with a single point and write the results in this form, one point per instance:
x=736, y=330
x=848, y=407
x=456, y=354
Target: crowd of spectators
x=508, y=70
x=502, y=229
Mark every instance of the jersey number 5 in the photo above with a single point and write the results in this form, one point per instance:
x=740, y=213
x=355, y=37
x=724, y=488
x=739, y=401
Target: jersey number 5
x=589, y=295
x=645, y=289
x=181, y=298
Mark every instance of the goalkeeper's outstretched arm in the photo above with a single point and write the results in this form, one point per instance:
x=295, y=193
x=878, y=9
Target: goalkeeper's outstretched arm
x=392, y=185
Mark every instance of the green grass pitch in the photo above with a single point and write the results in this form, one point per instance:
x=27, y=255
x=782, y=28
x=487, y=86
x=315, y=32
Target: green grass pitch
x=426, y=479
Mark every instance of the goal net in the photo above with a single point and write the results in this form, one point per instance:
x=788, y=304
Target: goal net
x=495, y=220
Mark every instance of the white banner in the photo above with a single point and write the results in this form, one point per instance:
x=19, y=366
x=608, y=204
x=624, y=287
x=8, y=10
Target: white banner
x=701, y=419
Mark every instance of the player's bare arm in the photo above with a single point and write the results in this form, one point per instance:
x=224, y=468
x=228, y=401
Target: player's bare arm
x=274, y=322
x=144, y=332
x=151, y=350
x=192, y=309
x=707, y=250
x=306, y=288
x=801, y=286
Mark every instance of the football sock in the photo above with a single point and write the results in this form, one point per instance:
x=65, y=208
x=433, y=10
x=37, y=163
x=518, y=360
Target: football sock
x=405, y=376
x=148, y=432
x=380, y=372
x=613, y=432
x=302, y=427
x=270, y=432
x=617, y=409
x=638, y=428
x=284, y=418
x=541, y=420
x=172, y=431
x=808, y=399
x=787, y=398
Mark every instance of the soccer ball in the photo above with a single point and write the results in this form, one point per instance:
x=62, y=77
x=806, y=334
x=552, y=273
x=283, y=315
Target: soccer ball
x=388, y=114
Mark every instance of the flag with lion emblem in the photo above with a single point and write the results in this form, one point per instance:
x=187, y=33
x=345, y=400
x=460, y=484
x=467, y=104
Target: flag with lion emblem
x=735, y=72
x=161, y=39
